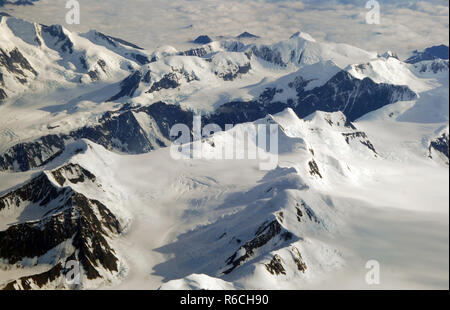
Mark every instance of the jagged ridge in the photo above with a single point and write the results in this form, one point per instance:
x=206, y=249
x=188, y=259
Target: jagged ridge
x=68, y=216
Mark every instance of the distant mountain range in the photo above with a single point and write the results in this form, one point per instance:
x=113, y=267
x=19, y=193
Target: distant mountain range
x=17, y=2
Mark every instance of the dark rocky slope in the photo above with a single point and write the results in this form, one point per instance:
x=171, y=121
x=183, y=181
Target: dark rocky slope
x=68, y=217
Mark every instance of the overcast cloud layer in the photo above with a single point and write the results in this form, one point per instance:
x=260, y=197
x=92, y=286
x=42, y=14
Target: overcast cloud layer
x=405, y=25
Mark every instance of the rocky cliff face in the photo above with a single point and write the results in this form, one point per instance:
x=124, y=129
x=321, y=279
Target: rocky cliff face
x=350, y=95
x=70, y=228
x=122, y=130
x=440, y=146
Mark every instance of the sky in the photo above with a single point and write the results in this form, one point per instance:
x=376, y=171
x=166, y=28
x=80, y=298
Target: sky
x=405, y=25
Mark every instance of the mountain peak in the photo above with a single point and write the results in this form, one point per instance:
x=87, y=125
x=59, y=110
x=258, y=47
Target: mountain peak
x=430, y=53
x=330, y=118
x=203, y=39
x=440, y=51
x=302, y=35
x=389, y=54
x=247, y=35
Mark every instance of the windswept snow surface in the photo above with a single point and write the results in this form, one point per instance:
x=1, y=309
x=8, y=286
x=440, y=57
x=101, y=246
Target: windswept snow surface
x=389, y=208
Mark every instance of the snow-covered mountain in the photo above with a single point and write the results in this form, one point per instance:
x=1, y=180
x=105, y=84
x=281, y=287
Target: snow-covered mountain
x=36, y=57
x=87, y=174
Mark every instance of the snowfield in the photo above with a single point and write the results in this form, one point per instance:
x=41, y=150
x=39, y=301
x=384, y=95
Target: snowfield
x=341, y=193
